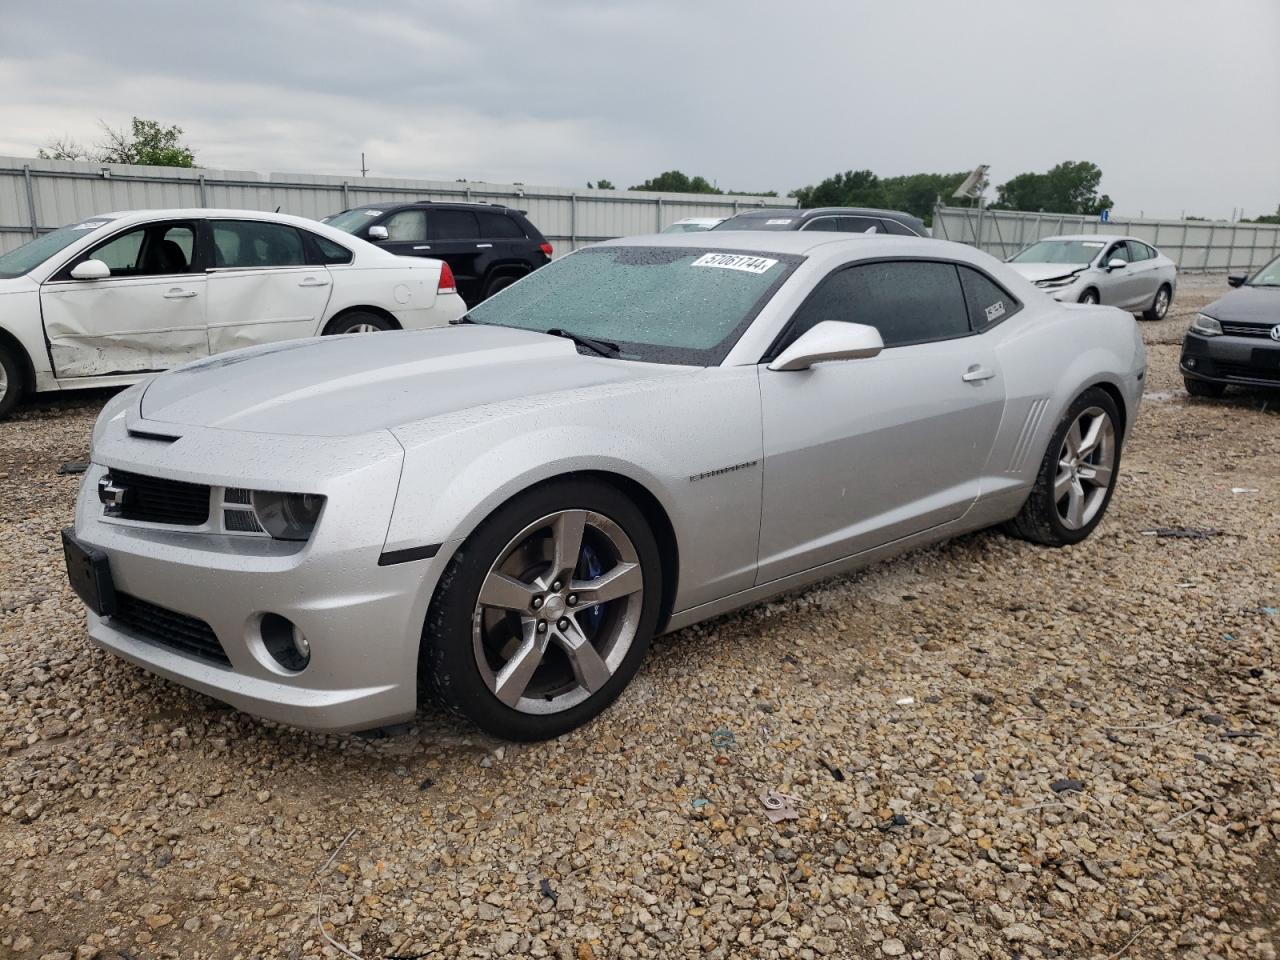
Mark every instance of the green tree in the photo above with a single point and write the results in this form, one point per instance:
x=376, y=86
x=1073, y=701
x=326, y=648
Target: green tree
x=601, y=185
x=853, y=188
x=914, y=193
x=673, y=181
x=1070, y=187
x=147, y=143
x=1265, y=218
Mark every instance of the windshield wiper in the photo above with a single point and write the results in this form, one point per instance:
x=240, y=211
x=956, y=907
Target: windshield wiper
x=602, y=347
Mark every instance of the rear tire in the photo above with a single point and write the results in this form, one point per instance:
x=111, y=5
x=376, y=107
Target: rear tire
x=498, y=283
x=1159, y=308
x=1203, y=388
x=358, y=321
x=12, y=378
x=509, y=644
x=1069, y=499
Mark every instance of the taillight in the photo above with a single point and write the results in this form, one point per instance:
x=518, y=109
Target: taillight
x=546, y=248
x=447, y=284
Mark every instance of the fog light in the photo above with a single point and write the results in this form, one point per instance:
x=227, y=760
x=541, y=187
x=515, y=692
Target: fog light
x=285, y=642
x=1191, y=363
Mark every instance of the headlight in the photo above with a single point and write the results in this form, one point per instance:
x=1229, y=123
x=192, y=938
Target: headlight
x=1206, y=326
x=287, y=516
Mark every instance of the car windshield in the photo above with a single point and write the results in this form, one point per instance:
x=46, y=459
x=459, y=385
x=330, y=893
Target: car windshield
x=684, y=305
x=1060, y=251
x=1268, y=276
x=31, y=254
x=687, y=227
x=782, y=221
x=349, y=221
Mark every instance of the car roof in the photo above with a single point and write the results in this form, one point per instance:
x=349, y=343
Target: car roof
x=1104, y=237
x=804, y=214
x=803, y=242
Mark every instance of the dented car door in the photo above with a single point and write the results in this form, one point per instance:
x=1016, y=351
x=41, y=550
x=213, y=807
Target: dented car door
x=149, y=314
x=261, y=288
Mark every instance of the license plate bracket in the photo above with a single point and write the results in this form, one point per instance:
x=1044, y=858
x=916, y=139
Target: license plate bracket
x=90, y=575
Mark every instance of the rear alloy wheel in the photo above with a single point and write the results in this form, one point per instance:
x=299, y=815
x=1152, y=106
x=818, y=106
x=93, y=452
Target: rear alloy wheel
x=1160, y=305
x=10, y=382
x=1076, y=477
x=359, y=321
x=1204, y=388
x=544, y=615
x=1089, y=296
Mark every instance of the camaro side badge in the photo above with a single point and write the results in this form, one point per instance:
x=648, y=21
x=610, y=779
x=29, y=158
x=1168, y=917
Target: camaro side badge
x=715, y=473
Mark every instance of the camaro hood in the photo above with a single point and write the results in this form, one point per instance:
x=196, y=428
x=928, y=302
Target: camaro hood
x=1247, y=305
x=1046, y=271
x=336, y=386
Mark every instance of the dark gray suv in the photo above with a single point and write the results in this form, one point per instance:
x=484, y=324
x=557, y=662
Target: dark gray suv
x=833, y=219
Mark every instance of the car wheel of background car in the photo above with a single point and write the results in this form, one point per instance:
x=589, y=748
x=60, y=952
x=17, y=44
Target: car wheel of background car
x=10, y=381
x=1089, y=296
x=1160, y=305
x=498, y=283
x=1077, y=476
x=1203, y=388
x=544, y=614
x=358, y=321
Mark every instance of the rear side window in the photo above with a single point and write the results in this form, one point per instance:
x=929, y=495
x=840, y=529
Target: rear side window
x=328, y=251
x=988, y=302
x=407, y=226
x=1140, y=251
x=497, y=225
x=453, y=225
x=250, y=243
x=907, y=301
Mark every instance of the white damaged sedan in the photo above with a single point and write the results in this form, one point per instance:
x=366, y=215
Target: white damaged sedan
x=112, y=298
x=636, y=437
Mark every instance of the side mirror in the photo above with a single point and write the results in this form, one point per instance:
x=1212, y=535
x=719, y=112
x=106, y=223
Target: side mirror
x=830, y=340
x=1115, y=263
x=1237, y=280
x=90, y=270
x=378, y=232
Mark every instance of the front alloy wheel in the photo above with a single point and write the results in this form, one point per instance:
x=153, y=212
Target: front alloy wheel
x=544, y=614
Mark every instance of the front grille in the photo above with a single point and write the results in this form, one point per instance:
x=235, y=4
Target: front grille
x=177, y=631
x=1245, y=330
x=157, y=500
x=1242, y=371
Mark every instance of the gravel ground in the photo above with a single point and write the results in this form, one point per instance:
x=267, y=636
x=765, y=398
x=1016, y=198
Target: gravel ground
x=1086, y=766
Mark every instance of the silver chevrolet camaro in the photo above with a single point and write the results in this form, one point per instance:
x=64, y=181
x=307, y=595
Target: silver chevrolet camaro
x=637, y=437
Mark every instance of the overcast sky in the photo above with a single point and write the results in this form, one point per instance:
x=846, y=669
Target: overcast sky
x=1177, y=100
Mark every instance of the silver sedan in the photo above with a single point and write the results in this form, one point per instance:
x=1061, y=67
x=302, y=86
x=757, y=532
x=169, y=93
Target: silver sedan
x=639, y=436
x=1116, y=271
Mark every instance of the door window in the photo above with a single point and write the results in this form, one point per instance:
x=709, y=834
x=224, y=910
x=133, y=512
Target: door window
x=407, y=226
x=255, y=243
x=988, y=302
x=453, y=225
x=821, y=223
x=859, y=225
x=1119, y=252
x=498, y=225
x=156, y=249
x=908, y=301
x=899, y=229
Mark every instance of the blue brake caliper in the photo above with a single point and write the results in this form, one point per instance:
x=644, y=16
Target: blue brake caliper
x=589, y=568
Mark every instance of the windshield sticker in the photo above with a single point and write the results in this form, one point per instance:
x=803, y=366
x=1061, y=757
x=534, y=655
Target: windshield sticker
x=1092, y=243
x=735, y=261
x=776, y=223
x=91, y=225
x=995, y=311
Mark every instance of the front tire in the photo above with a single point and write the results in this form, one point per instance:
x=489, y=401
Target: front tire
x=544, y=614
x=11, y=381
x=1077, y=476
x=1160, y=305
x=1090, y=296
x=1203, y=388
x=358, y=321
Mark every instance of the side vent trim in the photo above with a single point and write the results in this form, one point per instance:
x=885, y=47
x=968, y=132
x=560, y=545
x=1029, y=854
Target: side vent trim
x=1027, y=435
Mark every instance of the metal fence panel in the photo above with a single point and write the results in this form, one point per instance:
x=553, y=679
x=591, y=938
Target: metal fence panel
x=45, y=194
x=1194, y=245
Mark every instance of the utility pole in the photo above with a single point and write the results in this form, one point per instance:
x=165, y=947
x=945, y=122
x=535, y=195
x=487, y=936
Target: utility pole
x=364, y=171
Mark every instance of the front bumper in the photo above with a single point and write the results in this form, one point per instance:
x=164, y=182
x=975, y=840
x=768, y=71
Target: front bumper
x=1245, y=361
x=363, y=621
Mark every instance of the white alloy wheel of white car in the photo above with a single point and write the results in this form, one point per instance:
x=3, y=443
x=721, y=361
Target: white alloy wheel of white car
x=113, y=298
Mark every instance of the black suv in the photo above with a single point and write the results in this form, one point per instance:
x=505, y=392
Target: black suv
x=834, y=219
x=487, y=246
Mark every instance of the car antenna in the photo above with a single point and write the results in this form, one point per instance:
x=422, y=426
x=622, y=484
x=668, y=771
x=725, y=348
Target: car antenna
x=277, y=209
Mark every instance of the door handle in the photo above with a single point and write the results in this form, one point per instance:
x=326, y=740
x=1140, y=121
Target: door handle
x=976, y=373
x=179, y=294
x=482, y=246
x=313, y=282
x=425, y=246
